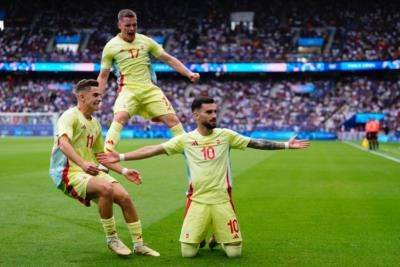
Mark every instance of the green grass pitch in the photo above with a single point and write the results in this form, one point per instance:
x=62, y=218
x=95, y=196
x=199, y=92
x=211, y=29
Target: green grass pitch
x=330, y=205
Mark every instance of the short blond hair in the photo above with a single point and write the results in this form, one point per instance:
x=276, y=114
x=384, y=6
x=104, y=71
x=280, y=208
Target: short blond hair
x=126, y=13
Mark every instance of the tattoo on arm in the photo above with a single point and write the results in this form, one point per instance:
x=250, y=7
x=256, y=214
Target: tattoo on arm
x=265, y=144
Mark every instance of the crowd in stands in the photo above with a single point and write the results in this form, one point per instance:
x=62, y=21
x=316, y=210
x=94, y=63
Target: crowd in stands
x=202, y=30
x=245, y=104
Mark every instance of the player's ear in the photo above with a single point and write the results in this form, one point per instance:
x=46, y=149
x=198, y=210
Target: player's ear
x=80, y=96
x=195, y=114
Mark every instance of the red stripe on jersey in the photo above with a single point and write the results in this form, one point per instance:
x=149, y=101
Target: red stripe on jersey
x=70, y=189
x=190, y=192
x=121, y=82
x=229, y=190
x=187, y=207
x=65, y=174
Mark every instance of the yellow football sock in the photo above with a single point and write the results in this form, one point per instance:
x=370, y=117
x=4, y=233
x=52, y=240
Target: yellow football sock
x=135, y=229
x=109, y=226
x=113, y=135
x=177, y=130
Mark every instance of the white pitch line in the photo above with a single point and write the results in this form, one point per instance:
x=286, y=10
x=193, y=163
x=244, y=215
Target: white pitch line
x=373, y=152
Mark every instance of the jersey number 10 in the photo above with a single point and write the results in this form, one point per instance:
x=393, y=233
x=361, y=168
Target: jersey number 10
x=208, y=152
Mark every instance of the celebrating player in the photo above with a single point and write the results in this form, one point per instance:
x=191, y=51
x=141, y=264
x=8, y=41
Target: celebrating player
x=206, y=150
x=129, y=55
x=74, y=171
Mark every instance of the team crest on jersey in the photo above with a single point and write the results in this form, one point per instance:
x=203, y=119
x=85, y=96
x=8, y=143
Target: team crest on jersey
x=218, y=142
x=195, y=143
x=83, y=127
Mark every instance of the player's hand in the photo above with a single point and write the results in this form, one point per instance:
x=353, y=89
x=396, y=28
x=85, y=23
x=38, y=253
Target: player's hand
x=296, y=144
x=194, y=77
x=90, y=168
x=133, y=176
x=111, y=156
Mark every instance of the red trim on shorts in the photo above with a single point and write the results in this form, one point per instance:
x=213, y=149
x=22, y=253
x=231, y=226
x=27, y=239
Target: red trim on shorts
x=121, y=82
x=229, y=190
x=71, y=189
x=187, y=207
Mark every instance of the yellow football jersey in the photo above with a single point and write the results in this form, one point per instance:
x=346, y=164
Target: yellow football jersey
x=131, y=61
x=85, y=137
x=208, y=162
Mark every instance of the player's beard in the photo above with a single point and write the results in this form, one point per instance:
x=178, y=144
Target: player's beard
x=210, y=125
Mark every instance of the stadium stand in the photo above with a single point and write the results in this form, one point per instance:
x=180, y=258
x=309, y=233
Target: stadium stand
x=203, y=31
x=210, y=31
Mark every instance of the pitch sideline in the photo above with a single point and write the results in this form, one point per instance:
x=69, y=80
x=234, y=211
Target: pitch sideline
x=373, y=152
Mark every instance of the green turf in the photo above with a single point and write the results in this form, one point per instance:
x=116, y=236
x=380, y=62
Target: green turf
x=330, y=205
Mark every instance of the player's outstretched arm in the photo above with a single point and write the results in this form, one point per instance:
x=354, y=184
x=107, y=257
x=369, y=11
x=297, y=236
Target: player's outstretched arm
x=69, y=151
x=177, y=65
x=293, y=143
x=102, y=79
x=130, y=174
x=145, y=152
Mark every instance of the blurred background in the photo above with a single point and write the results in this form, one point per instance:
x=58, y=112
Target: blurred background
x=318, y=68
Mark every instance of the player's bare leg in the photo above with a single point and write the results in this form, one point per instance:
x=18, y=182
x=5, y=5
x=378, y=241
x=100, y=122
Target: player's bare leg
x=233, y=250
x=173, y=123
x=114, y=132
x=123, y=199
x=103, y=192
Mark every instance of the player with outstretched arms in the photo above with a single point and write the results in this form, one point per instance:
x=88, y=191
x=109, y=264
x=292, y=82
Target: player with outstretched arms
x=75, y=171
x=128, y=54
x=206, y=150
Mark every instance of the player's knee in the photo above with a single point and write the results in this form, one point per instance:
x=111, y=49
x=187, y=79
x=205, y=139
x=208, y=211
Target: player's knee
x=189, y=250
x=171, y=120
x=123, y=199
x=233, y=250
x=121, y=117
x=106, y=190
x=174, y=120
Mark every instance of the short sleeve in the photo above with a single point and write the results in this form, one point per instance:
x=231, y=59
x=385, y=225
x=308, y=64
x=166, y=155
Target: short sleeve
x=236, y=140
x=65, y=125
x=174, y=145
x=106, y=58
x=155, y=49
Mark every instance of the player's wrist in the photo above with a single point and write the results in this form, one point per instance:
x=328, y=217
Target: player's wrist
x=286, y=145
x=121, y=157
x=124, y=171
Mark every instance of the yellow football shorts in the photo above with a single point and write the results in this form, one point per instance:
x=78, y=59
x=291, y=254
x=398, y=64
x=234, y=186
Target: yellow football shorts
x=74, y=184
x=147, y=101
x=199, y=218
